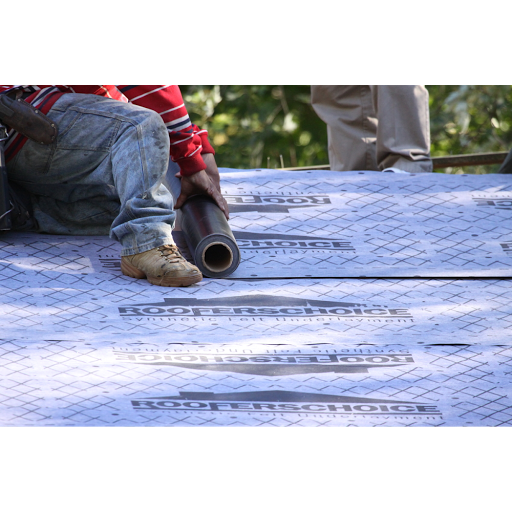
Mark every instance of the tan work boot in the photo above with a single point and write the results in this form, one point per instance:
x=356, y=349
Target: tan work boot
x=163, y=266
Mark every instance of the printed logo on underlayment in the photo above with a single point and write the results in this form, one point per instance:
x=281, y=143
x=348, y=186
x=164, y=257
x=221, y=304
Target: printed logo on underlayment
x=270, y=365
x=110, y=263
x=261, y=306
x=289, y=243
x=494, y=201
x=507, y=247
x=273, y=203
x=282, y=402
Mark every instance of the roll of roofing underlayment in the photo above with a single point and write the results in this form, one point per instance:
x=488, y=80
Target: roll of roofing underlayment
x=206, y=231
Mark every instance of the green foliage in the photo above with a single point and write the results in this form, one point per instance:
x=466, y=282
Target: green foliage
x=470, y=119
x=254, y=126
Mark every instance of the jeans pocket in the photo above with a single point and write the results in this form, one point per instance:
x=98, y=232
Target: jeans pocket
x=33, y=160
x=90, y=131
x=65, y=120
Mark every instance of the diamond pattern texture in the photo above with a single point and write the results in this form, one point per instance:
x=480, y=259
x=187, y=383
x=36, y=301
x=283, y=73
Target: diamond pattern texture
x=396, y=225
x=296, y=337
x=70, y=383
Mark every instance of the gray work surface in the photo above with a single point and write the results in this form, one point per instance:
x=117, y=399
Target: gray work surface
x=296, y=336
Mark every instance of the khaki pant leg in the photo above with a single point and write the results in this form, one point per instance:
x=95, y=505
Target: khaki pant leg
x=351, y=125
x=403, y=133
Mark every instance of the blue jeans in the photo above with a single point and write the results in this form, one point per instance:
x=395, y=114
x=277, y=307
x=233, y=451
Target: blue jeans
x=103, y=175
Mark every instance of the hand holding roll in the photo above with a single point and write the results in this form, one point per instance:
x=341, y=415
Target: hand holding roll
x=205, y=182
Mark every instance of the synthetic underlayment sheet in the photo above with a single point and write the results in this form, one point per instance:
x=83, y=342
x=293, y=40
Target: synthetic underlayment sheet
x=292, y=338
x=352, y=224
x=380, y=311
x=70, y=383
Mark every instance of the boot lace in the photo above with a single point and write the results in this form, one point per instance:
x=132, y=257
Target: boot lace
x=170, y=252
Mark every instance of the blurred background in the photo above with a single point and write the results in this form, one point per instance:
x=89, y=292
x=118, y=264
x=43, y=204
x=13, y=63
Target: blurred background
x=275, y=126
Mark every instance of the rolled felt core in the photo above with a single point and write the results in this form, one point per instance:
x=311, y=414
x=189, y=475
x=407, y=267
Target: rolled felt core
x=217, y=257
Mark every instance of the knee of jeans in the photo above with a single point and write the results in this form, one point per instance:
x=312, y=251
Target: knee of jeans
x=153, y=127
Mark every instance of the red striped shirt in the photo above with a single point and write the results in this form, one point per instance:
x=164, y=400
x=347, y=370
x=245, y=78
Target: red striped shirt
x=188, y=142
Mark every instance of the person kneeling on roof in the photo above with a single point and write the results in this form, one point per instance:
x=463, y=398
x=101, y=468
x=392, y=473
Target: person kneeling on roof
x=103, y=172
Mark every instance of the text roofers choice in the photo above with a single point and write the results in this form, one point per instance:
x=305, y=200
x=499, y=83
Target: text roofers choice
x=274, y=203
x=496, y=201
x=284, y=402
x=264, y=242
x=269, y=364
x=264, y=307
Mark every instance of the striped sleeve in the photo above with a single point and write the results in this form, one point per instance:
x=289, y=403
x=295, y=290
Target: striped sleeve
x=5, y=88
x=188, y=142
x=109, y=91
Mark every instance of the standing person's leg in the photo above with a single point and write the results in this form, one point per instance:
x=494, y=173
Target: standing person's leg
x=105, y=171
x=351, y=125
x=403, y=132
x=506, y=166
